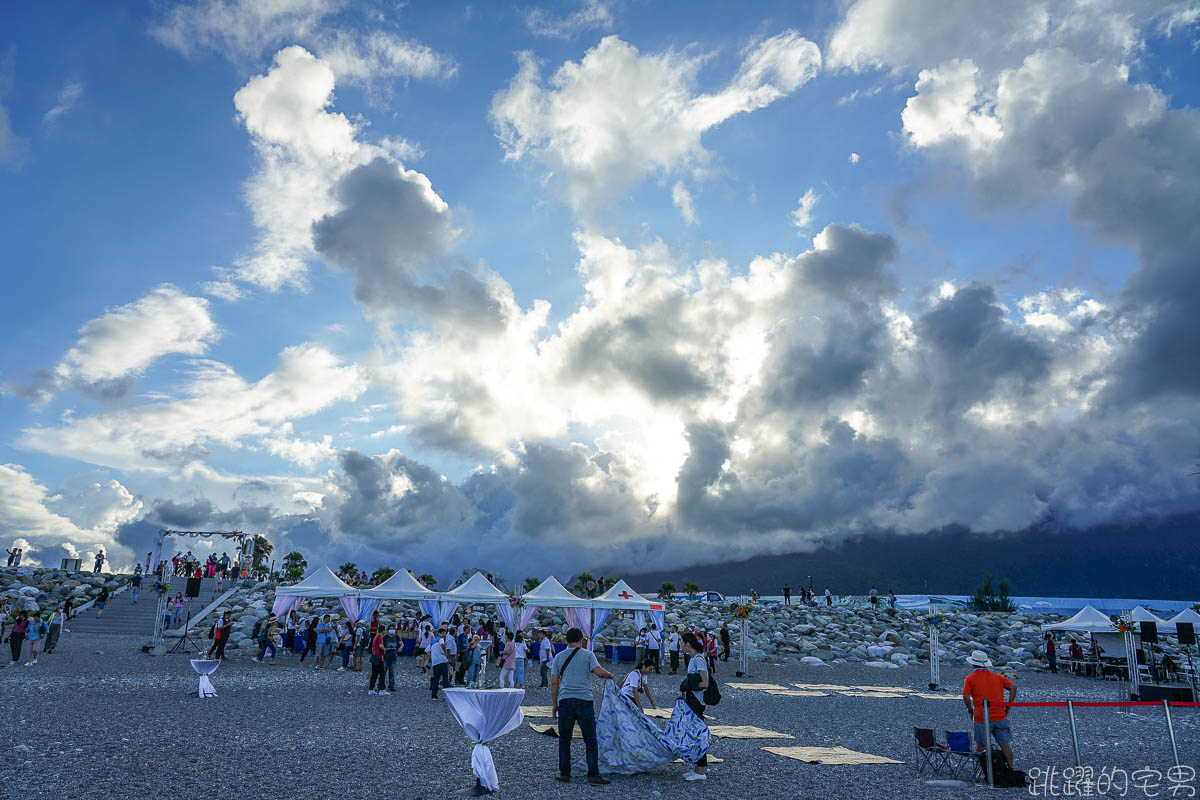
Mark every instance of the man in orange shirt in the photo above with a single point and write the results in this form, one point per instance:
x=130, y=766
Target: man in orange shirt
x=983, y=684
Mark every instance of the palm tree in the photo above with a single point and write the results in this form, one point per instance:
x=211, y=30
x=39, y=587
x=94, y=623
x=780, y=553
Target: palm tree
x=382, y=574
x=262, y=551
x=294, y=565
x=692, y=589
x=428, y=580
x=531, y=584
x=349, y=569
x=581, y=583
x=666, y=590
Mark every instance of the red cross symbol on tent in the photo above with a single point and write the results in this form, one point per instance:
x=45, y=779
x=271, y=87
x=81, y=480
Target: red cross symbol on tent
x=624, y=594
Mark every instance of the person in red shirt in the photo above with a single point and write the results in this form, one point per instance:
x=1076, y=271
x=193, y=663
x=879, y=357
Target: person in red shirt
x=983, y=684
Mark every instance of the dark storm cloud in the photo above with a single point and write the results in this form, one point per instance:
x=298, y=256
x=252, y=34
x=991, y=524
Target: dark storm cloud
x=973, y=348
x=391, y=229
x=850, y=265
x=640, y=346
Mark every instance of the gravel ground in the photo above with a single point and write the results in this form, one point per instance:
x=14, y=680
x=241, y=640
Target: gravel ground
x=101, y=719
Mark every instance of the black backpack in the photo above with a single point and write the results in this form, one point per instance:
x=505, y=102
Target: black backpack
x=1004, y=776
x=712, y=694
x=257, y=629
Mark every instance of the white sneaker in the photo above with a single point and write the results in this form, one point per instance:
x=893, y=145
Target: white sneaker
x=385, y=691
x=29, y=663
x=372, y=691
x=341, y=669
x=694, y=776
x=12, y=663
x=35, y=661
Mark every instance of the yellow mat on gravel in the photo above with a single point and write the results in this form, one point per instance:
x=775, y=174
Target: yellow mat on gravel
x=759, y=686
x=711, y=759
x=536, y=711
x=929, y=696
x=795, y=693
x=746, y=732
x=834, y=687
x=856, y=693
x=829, y=755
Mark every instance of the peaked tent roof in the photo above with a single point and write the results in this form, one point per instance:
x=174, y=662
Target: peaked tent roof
x=1088, y=620
x=321, y=582
x=477, y=589
x=623, y=596
x=552, y=594
x=1141, y=614
x=401, y=586
x=1187, y=615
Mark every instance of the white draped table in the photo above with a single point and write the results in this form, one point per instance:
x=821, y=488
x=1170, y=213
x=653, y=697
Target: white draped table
x=485, y=714
x=205, y=667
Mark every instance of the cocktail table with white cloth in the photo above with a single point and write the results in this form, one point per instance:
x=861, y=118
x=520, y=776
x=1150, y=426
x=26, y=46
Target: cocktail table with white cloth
x=485, y=714
x=205, y=667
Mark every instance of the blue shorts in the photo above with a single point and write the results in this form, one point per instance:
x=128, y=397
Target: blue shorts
x=1001, y=732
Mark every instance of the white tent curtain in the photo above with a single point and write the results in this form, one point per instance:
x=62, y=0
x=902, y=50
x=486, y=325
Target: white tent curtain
x=527, y=615
x=350, y=606
x=366, y=607
x=508, y=614
x=659, y=619
x=285, y=603
x=582, y=618
x=639, y=619
x=438, y=611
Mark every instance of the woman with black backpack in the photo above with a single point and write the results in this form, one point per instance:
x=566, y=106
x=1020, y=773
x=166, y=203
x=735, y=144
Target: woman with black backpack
x=696, y=681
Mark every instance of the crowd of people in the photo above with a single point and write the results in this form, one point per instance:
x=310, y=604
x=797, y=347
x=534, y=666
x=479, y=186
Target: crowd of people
x=190, y=566
x=460, y=650
x=807, y=596
x=33, y=633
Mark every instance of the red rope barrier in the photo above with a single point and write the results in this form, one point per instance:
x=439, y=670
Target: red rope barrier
x=1083, y=704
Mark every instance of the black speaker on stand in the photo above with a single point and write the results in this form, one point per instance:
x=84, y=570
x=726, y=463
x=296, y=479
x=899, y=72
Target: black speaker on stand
x=1186, y=632
x=192, y=589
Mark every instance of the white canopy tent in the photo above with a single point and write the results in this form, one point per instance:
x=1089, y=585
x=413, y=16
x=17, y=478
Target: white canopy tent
x=320, y=583
x=476, y=589
x=1141, y=614
x=401, y=586
x=622, y=596
x=552, y=594
x=1088, y=620
x=1187, y=615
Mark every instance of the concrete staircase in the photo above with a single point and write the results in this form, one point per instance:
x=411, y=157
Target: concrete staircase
x=122, y=616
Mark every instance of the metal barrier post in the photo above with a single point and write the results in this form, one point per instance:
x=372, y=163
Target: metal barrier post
x=987, y=738
x=935, y=665
x=1171, y=731
x=1074, y=733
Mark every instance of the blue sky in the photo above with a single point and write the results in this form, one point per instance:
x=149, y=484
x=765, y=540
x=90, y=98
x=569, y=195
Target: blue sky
x=126, y=164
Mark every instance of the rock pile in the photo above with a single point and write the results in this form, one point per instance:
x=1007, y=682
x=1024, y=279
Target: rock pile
x=36, y=589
